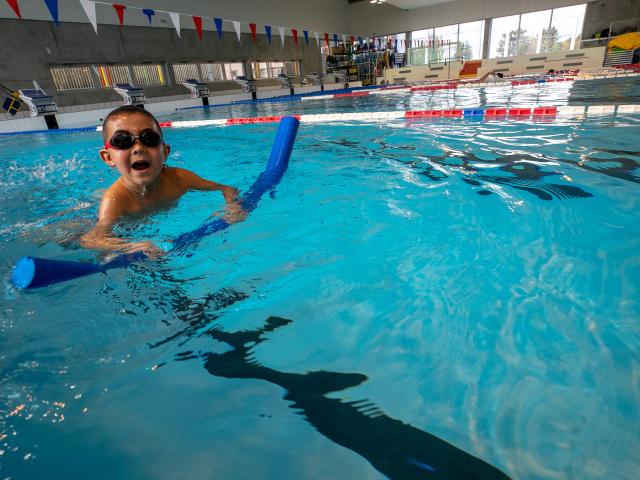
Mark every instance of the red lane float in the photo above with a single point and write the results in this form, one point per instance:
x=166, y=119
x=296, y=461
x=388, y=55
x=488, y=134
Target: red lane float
x=351, y=94
x=242, y=121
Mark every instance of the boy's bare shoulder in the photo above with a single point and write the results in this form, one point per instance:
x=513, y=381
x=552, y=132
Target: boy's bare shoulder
x=116, y=201
x=186, y=179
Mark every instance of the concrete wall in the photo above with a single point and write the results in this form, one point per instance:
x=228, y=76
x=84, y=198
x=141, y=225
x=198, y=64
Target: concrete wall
x=601, y=13
x=28, y=48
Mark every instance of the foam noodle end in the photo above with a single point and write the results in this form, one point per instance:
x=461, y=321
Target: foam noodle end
x=23, y=272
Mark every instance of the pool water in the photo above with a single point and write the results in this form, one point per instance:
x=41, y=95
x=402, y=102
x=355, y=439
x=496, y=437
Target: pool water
x=416, y=299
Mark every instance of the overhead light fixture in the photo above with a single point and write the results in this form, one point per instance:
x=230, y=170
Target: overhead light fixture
x=377, y=2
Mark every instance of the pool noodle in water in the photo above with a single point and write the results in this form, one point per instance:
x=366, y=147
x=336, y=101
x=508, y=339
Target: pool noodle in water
x=33, y=272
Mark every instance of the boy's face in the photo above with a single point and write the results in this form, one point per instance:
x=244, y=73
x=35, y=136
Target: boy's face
x=139, y=164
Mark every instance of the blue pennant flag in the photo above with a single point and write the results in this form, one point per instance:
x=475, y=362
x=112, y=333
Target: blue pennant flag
x=306, y=37
x=267, y=29
x=360, y=41
x=218, y=22
x=52, y=5
x=149, y=13
x=395, y=44
x=335, y=39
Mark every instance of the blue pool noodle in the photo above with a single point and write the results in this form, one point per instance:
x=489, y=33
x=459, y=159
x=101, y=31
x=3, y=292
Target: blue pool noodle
x=33, y=272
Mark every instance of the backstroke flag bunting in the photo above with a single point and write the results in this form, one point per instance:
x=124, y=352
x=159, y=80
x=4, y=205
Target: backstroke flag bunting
x=281, y=30
x=175, y=19
x=197, y=21
x=15, y=7
x=90, y=9
x=236, y=26
x=120, y=11
x=218, y=22
x=149, y=13
x=52, y=5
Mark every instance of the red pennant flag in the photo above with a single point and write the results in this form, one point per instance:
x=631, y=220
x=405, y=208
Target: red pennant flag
x=15, y=7
x=326, y=38
x=197, y=21
x=295, y=35
x=120, y=11
x=252, y=26
x=353, y=40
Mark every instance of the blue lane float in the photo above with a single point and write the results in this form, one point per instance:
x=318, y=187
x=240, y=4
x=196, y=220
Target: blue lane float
x=33, y=272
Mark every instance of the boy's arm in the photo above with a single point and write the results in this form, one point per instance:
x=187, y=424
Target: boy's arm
x=189, y=180
x=484, y=77
x=101, y=236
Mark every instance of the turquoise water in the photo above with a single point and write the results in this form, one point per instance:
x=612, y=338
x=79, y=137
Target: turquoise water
x=468, y=282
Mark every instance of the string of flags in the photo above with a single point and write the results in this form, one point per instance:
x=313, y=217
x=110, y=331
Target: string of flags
x=122, y=11
x=365, y=42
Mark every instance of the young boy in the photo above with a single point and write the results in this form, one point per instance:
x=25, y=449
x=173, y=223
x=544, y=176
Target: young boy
x=134, y=146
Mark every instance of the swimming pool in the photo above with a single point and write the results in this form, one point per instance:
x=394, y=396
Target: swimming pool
x=472, y=282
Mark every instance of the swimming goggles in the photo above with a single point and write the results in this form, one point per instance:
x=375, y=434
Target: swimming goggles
x=125, y=140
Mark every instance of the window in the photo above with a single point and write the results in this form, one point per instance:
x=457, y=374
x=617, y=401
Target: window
x=211, y=72
x=504, y=32
x=72, y=78
x=186, y=71
x=111, y=74
x=420, y=46
x=445, y=43
x=537, y=32
x=470, y=37
x=233, y=70
x=397, y=42
x=533, y=26
x=565, y=30
x=462, y=41
x=148, y=75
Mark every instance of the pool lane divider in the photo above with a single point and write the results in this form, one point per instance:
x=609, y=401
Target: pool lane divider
x=33, y=272
x=522, y=113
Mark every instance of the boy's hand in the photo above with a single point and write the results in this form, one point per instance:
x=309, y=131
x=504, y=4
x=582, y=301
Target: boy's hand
x=149, y=248
x=234, y=213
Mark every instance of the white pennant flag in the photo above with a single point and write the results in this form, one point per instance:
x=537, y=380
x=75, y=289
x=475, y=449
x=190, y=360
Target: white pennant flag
x=90, y=10
x=281, y=30
x=317, y=38
x=236, y=25
x=344, y=39
x=175, y=19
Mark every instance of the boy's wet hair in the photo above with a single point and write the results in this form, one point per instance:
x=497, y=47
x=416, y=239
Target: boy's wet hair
x=126, y=110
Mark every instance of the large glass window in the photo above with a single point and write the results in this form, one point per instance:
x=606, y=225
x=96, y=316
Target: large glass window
x=532, y=28
x=446, y=43
x=233, y=70
x=186, y=71
x=537, y=32
x=420, y=46
x=566, y=28
x=470, y=36
x=211, y=72
x=504, y=34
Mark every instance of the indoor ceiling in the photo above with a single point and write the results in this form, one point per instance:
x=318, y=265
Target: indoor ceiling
x=408, y=4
